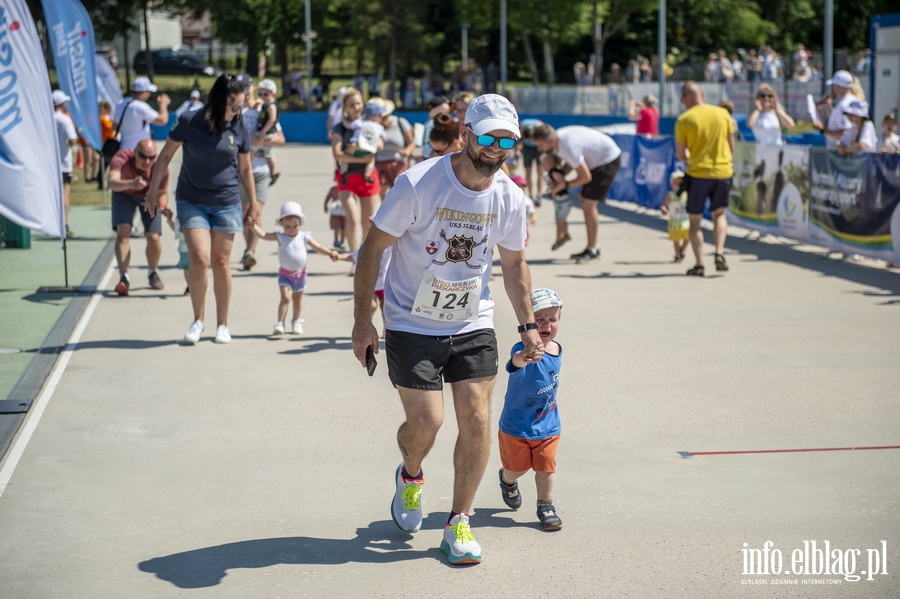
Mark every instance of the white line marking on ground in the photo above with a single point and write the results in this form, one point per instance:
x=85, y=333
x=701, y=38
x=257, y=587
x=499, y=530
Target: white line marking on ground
x=17, y=449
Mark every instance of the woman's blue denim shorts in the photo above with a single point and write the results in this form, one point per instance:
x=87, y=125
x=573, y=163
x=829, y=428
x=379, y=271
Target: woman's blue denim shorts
x=223, y=219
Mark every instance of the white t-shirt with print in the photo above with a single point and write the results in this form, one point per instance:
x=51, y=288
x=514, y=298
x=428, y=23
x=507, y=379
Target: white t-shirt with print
x=578, y=144
x=136, y=124
x=449, y=231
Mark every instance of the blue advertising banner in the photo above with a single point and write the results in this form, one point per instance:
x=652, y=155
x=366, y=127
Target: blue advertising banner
x=656, y=159
x=72, y=38
x=854, y=201
x=623, y=188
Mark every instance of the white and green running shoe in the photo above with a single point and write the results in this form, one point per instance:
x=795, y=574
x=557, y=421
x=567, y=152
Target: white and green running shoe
x=459, y=544
x=406, y=507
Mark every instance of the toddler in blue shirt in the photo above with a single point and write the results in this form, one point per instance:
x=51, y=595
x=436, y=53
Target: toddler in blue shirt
x=529, y=423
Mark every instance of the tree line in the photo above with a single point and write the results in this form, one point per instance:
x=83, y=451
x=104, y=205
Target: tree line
x=545, y=37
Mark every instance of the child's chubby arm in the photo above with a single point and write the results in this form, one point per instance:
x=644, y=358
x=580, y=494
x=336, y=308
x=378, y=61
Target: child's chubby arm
x=664, y=208
x=518, y=359
x=321, y=249
x=262, y=234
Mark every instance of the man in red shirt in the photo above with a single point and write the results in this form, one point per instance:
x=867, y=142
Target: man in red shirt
x=130, y=172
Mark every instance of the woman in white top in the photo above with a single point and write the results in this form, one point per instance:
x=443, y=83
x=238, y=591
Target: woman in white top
x=861, y=137
x=768, y=117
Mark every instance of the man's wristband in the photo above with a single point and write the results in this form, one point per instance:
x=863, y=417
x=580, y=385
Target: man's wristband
x=528, y=326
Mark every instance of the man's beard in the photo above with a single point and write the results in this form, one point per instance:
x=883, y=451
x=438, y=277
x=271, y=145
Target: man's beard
x=485, y=169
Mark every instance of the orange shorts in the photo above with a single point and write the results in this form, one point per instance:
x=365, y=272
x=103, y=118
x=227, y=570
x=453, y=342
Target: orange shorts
x=519, y=454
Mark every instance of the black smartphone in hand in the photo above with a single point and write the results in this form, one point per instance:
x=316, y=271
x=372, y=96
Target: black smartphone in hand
x=370, y=361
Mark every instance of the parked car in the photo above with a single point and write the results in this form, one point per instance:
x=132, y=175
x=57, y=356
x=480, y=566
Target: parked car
x=169, y=61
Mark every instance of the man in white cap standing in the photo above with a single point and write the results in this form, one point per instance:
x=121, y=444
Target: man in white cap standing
x=65, y=132
x=191, y=104
x=136, y=115
x=838, y=124
x=444, y=217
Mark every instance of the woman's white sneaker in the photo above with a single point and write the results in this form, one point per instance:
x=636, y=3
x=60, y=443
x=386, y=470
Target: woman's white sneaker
x=193, y=333
x=297, y=327
x=222, y=334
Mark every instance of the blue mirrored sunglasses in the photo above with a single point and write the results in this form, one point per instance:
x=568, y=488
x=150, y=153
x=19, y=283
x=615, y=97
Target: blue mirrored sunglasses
x=506, y=143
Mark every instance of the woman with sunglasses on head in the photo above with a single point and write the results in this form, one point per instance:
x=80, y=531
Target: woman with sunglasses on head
x=768, y=117
x=445, y=136
x=215, y=163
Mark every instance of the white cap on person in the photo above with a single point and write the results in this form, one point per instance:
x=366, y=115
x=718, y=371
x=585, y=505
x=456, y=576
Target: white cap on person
x=59, y=97
x=858, y=108
x=142, y=84
x=841, y=79
x=268, y=85
x=541, y=299
x=491, y=112
x=195, y=93
x=291, y=209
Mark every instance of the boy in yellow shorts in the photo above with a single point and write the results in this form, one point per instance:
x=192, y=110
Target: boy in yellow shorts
x=676, y=207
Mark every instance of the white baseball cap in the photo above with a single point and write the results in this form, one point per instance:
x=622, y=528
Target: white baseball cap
x=291, y=209
x=142, y=84
x=858, y=108
x=490, y=112
x=268, y=85
x=541, y=299
x=195, y=93
x=59, y=97
x=842, y=79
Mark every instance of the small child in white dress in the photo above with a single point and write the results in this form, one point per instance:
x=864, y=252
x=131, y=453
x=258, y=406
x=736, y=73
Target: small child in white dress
x=292, y=260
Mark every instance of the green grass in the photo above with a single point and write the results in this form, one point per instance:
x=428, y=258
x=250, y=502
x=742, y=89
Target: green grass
x=86, y=194
x=801, y=127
